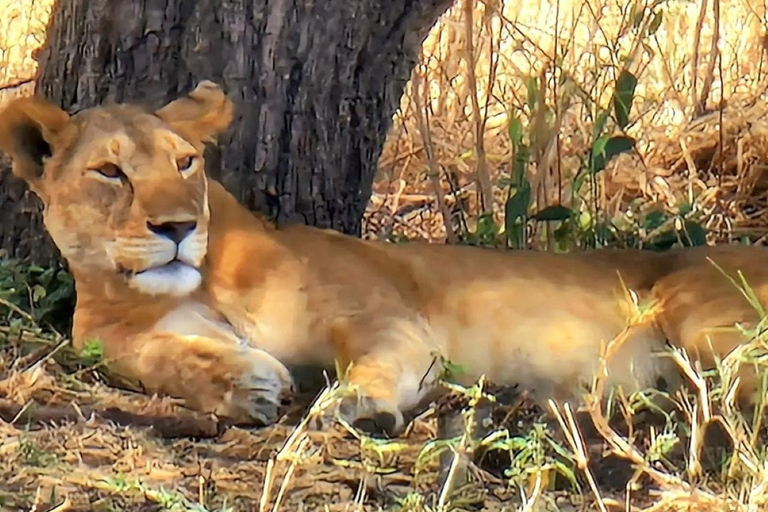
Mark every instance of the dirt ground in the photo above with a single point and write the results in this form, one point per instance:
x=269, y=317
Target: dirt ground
x=70, y=442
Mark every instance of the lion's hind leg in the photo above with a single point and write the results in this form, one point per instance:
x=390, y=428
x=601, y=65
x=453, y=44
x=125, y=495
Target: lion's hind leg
x=707, y=315
x=391, y=366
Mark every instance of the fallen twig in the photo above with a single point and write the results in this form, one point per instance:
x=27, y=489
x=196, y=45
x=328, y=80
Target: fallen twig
x=183, y=423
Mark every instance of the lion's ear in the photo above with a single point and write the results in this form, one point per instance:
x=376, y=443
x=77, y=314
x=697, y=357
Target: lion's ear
x=203, y=114
x=28, y=128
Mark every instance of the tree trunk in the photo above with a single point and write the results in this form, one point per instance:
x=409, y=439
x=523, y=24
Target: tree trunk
x=315, y=83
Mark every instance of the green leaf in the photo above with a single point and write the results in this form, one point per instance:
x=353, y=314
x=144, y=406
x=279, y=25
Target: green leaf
x=92, y=351
x=563, y=234
x=598, y=146
x=695, y=232
x=38, y=293
x=585, y=220
x=452, y=370
x=517, y=205
x=486, y=231
x=684, y=209
x=516, y=131
x=617, y=145
x=605, y=149
x=662, y=242
x=517, y=208
x=519, y=165
x=623, y=97
x=655, y=23
x=567, y=472
x=654, y=219
x=578, y=182
x=596, y=156
x=532, y=85
x=602, y=118
x=553, y=213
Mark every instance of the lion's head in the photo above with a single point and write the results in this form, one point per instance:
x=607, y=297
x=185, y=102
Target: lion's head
x=124, y=188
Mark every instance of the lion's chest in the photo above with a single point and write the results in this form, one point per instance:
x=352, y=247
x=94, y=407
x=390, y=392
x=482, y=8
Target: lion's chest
x=194, y=318
x=276, y=319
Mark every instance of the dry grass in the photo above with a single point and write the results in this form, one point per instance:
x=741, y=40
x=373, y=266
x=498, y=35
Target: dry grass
x=22, y=32
x=577, y=49
x=71, y=443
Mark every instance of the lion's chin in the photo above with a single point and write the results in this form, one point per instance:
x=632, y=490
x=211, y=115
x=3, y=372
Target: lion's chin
x=175, y=278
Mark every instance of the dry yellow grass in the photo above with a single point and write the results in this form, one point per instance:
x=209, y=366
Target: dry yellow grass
x=589, y=42
x=22, y=31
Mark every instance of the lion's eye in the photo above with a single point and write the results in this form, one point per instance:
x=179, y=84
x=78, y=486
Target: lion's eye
x=109, y=171
x=185, y=164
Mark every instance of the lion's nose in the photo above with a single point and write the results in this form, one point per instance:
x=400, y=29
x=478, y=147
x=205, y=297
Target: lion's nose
x=175, y=231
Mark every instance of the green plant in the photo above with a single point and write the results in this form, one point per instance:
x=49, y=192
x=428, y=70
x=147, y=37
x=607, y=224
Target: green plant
x=35, y=456
x=92, y=352
x=43, y=296
x=518, y=203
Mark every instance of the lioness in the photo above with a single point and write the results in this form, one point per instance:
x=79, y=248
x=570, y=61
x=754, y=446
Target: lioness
x=200, y=299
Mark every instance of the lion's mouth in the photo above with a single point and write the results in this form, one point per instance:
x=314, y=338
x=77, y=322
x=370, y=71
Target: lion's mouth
x=176, y=278
x=170, y=268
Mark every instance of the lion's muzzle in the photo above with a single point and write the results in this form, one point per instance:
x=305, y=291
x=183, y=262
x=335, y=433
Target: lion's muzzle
x=166, y=263
x=174, y=231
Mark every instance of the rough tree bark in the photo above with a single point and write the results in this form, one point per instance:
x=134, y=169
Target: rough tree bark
x=316, y=83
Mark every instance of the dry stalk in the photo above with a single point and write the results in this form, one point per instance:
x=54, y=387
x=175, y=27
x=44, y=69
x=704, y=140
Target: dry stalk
x=266, y=491
x=673, y=489
x=714, y=57
x=701, y=415
x=64, y=506
x=696, y=44
x=483, y=178
x=575, y=439
x=16, y=309
x=447, y=487
x=16, y=85
x=295, y=446
x=303, y=442
x=361, y=492
x=434, y=169
x=619, y=445
x=529, y=502
x=458, y=451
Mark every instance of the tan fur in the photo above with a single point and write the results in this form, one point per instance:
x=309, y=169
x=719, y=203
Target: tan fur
x=296, y=296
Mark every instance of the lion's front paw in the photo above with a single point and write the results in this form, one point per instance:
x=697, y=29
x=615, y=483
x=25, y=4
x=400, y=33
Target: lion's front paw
x=244, y=385
x=259, y=390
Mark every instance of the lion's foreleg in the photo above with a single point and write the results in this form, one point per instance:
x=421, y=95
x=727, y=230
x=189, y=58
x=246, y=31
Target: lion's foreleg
x=240, y=383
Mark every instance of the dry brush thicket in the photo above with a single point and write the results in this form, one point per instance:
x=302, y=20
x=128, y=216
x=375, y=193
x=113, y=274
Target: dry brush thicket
x=474, y=76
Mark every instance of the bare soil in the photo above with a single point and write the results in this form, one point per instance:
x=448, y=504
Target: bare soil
x=68, y=441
